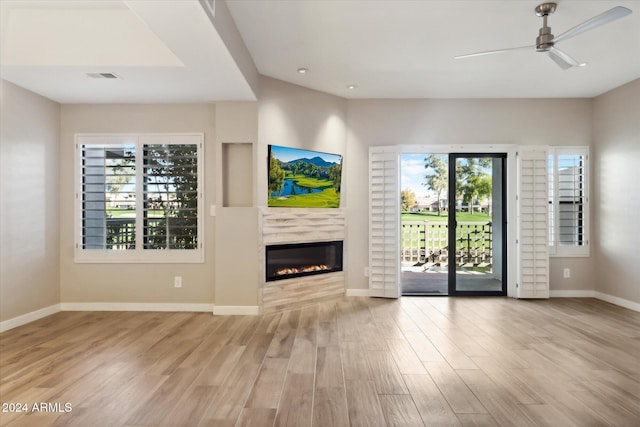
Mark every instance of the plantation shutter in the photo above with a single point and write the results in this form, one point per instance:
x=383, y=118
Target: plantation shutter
x=384, y=223
x=170, y=190
x=108, y=204
x=139, y=198
x=532, y=213
x=568, y=200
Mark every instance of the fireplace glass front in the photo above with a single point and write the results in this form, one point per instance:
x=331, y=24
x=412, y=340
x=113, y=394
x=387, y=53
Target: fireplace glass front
x=302, y=259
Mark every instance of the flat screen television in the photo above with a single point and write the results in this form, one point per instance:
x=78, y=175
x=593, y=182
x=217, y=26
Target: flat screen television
x=303, y=178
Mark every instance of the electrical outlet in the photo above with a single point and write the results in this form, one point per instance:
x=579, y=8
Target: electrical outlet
x=567, y=273
x=177, y=281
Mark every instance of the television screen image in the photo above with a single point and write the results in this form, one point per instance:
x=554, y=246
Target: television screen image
x=303, y=178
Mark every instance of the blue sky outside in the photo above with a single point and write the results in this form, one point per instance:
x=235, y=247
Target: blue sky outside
x=412, y=173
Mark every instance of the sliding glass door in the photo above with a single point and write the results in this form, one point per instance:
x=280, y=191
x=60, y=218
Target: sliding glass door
x=478, y=219
x=453, y=224
x=424, y=224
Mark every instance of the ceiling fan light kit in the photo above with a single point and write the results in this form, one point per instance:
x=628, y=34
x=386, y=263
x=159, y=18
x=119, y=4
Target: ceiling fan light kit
x=546, y=41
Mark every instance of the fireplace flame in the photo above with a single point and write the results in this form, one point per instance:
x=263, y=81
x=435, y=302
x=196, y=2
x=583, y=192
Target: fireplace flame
x=307, y=269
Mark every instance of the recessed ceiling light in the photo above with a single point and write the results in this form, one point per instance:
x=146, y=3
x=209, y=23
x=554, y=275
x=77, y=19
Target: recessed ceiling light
x=352, y=87
x=302, y=70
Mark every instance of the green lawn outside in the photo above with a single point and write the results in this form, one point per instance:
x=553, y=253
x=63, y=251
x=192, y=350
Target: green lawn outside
x=118, y=213
x=433, y=217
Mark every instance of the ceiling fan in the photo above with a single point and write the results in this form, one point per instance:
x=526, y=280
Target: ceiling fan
x=545, y=42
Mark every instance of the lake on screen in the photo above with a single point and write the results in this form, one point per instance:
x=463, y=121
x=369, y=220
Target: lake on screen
x=290, y=188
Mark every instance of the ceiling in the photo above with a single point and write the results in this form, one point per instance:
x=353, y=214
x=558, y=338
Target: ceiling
x=177, y=51
x=161, y=51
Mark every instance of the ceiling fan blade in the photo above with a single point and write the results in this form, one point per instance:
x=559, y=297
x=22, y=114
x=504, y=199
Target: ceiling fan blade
x=604, y=18
x=491, y=52
x=562, y=59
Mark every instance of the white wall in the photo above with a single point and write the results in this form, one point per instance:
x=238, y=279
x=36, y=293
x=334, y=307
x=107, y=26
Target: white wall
x=29, y=148
x=236, y=244
x=32, y=277
x=455, y=123
x=133, y=283
x=617, y=192
x=297, y=117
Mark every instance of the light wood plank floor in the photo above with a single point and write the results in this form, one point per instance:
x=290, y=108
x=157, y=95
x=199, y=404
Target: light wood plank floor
x=353, y=361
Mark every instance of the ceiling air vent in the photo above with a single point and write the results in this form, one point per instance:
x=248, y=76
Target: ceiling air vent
x=102, y=76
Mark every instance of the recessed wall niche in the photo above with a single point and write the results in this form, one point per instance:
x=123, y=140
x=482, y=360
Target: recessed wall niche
x=237, y=174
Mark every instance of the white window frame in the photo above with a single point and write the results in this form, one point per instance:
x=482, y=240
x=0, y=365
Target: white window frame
x=555, y=249
x=139, y=254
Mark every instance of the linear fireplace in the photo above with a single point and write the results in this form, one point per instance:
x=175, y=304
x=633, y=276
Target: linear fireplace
x=302, y=259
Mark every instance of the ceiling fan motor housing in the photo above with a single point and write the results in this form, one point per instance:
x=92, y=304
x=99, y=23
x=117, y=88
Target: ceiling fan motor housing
x=544, y=41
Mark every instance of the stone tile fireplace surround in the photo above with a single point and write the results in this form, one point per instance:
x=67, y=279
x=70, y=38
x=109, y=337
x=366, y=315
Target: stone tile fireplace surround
x=284, y=226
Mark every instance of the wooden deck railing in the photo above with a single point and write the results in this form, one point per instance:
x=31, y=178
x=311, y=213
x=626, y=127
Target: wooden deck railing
x=427, y=241
x=121, y=232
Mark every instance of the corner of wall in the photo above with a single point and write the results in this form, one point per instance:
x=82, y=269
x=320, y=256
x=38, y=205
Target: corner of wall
x=616, y=142
x=29, y=144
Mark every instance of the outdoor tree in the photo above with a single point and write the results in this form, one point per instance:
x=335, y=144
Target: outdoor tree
x=121, y=172
x=482, y=185
x=407, y=199
x=473, y=180
x=171, y=196
x=436, y=177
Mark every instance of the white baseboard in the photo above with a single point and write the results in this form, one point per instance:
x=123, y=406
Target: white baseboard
x=572, y=294
x=135, y=306
x=631, y=305
x=597, y=295
x=247, y=310
x=357, y=292
x=29, y=317
x=230, y=310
